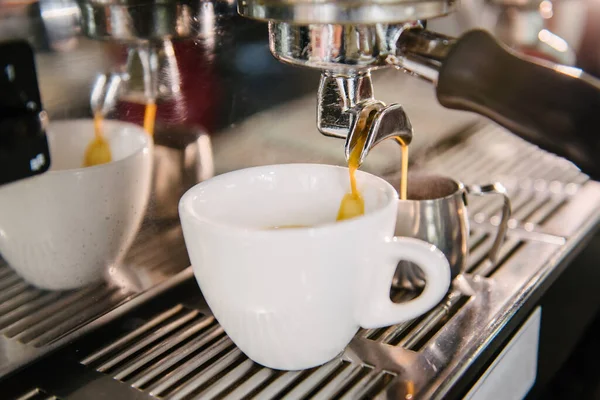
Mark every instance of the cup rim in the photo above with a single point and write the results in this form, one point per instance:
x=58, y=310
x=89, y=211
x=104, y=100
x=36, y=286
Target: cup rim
x=459, y=188
x=185, y=206
x=79, y=170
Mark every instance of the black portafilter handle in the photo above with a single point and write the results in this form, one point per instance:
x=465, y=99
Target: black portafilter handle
x=550, y=105
x=24, y=148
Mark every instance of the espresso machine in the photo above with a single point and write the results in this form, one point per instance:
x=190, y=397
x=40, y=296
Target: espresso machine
x=149, y=334
x=346, y=40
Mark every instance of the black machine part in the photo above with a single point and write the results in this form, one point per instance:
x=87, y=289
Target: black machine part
x=553, y=106
x=24, y=148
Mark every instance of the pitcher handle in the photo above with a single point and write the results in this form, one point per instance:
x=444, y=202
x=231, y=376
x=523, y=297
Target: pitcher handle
x=498, y=189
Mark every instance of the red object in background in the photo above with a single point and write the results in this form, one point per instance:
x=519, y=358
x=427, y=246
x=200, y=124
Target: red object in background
x=198, y=100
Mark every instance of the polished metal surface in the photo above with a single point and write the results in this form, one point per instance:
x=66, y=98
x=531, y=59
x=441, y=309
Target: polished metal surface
x=335, y=47
x=346, y=54
x=152, y=73
x=134, y=20
x=149, y=75
x=47, y=24
x=346, y=109
x=388, y=122
x=339, y=97
x=499, y=190
x=36, y=394
x=345, y=49
x=202, y=362
x=105, y=93
x=345, y=11
x=436, y=211
x=523, y=25
x=175, y=349
x=144, y=58
x=62, y=20
x=421, y=52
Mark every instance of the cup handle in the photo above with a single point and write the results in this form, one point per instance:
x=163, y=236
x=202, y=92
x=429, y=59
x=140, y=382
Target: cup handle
x=498, y=189
x=380, y=310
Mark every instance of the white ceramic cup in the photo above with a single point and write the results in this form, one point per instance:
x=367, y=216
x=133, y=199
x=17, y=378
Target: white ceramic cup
x=293, y=298
x=66, y=228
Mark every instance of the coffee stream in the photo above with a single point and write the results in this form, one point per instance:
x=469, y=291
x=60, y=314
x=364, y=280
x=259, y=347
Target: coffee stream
x=353, y=204
x=150, y=117
x=98, y=151
x=404, y=170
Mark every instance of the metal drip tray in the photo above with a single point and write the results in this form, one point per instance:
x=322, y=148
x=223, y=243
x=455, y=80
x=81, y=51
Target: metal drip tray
x=34, y=321
x=170, y=347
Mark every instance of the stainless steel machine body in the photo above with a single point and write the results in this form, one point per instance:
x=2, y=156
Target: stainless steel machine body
x=147, y=29
x=345, y=11
x=523, y=25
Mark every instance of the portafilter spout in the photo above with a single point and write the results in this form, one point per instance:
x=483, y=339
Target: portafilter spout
x=346, y=99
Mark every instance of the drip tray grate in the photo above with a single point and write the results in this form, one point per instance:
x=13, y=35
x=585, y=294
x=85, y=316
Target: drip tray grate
x=182, y=353
x=36, y=317
x=493, y=154
x=413, y=335
x=32, y=319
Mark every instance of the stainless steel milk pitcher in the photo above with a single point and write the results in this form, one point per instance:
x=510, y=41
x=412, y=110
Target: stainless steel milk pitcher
x=436, y=211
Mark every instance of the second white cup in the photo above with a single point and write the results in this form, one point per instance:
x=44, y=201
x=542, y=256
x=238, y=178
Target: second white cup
x=65, y=228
